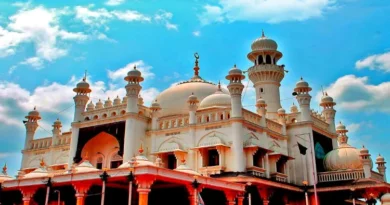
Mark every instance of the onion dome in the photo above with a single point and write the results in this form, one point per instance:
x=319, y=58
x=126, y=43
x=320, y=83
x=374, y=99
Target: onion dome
x=380, y=159
x=117, y=101
x=34, y=114
x=108, y=102
x=83, y=86
x=185, y=169
x=134, y=75
x=90, y=106
x=124, y=100
x=345, y=157
x=99, y=105
x=4, y=176
x=39, y=172
x=385, y=199
x=140, y=100
x=235, y=71
x=302, y=84
x=364, y=151
x=264, y=43
x=340, y=127
x=218, y=99
x=293, y=108
x=281, y=111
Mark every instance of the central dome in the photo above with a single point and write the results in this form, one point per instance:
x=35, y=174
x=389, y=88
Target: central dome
x=173, y=101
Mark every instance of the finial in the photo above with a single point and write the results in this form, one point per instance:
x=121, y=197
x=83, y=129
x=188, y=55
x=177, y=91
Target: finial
x=235, y=65
x=219, y=85
x=301, y=78
x=326, y=93
x=192, y=93
x=183, y=161
x=135, y=67
x=85, y=76
x=35, y=107
x=42, y=163
x=262, y=33
x=196, y=68
x=141, y=150
x=5, y=168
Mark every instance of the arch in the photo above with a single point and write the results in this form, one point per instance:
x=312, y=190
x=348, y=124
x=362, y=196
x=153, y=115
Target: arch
x=260, y=59
x=213, y=138
x=268, y=59
x=123, y=112
x=95, y=117
x=34, y=162
x=170, y=145
x=113, y=114
x=86, y=119
x=101, y=144
x=104, y=115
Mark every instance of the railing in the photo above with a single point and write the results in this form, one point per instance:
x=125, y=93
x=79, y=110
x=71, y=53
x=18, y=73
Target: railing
x=168, y=123
x=280, y=177
x=377, y=176
x=251, y=117
x=41, y=143
x=340, y=175
x=256, y=171
x=274, y=126
x=320, y=123
x=211, y=170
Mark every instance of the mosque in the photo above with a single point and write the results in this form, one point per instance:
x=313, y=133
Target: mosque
x=196, y=144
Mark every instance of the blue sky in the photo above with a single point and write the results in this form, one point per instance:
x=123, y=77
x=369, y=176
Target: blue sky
x=45, y=46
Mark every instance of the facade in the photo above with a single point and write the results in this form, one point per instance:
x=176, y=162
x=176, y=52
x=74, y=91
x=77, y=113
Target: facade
x=196, y=139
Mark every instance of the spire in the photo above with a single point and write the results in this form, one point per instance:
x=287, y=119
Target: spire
x=219, y=86
x=196, y=68
x=85, y=76
x=262, y=33
x=140, y=150
x=135, y=67
x=5, y=169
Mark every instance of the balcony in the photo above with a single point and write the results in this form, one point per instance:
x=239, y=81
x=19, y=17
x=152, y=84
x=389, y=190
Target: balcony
x=256, y=171
x=279, y=177
x=211, y=170
x=340, y=175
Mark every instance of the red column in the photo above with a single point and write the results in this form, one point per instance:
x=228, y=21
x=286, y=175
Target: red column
x=231, y=197
x=28, y=193
x=81, y=191
x=240, y=200
x=144, y=184
x=264, y=193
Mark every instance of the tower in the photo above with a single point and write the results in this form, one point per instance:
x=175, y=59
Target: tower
x=365, y=158
x=261, y=110
x=31, y=126
x=380, y=161
x=265, y=74
x=56, y=130
x=81, y=99
x=328, y=111
x=235, y=88
x=303, y=97
x=133, y=89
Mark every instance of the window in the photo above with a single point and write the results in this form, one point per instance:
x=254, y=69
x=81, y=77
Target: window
x=268, y=59
x=99, y=163
x=213, y=157
x=262, y=90
x=258, y=158
x=274, y=60
x=115, y=164
x=280, y=165
x=172, y=161
x=221, y=116
x=260, y=59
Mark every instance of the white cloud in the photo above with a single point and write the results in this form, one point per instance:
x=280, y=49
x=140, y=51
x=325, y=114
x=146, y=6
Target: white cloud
x=120, y=73
x=356, y=94
x=354, y=127
x=274, y=11
x=91, y=17
x=375, y=62
x=39, y=26
x=114, y=2
x=165, y=18
x=130, y=15
x=34, y=62
x=196, y=33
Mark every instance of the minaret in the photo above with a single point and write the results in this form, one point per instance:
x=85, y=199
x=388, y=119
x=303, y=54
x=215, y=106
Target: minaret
x=192, y=107
x=282, y=119
x=262, y=111
x=365, y=158
x=155, y=112
x=235, y=88
x=81, y=99
x=328, y=111
x=31, y=126
x=133, y=89
x=265, y=74
x=380, y=161
x=303, y=97
x=56, y=130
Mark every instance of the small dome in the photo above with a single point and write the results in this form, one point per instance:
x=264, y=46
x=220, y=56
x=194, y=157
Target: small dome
x=281, y=111
x=235, y=71
x=185, y=169
x=344, y=157
x=218, y=99
x=134, y=72
x=83, y=84
x=108, y=103
x=99, y=105
x=57, y=123
x=82, y=87
x=155, y=104
x=264, y=43
x=192, y=98
x=293, y=108
x=90, y=106
x=340, y=127
x=117, y=101
x=260, y=101
x=302, y=84
x=124, y=100
x=34, y=113
x=385, y=199
x=326, y=99
x=364, y=151
x=140, y=100
x=85, y=166
x=380, y=158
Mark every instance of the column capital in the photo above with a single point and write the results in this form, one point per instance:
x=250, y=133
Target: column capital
x=81, y=188
x=144, y=182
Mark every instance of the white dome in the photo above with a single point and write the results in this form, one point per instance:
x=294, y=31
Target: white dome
x=385, y=199
x=117, y=101
x=344, y=157
x=99, y=105
x=235, y=71
x=326, y=99
x=34, y=113
x=218, y=99
x=340, y=126
x=90, y=106
x=264, y=43
x=108, y=103
x=380, y=159
x=301, y=84
x=134, y=72
x=281, y=111
x=173, y=100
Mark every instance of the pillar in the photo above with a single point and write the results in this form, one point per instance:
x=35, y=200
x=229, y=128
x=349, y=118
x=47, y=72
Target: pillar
x=303, y=97
x=144, y=184
x=27, y=194
x=264, y=194
x=230, y=197
x=73, y=143
x=143, y=196
x=240, y=200
x=81, y=191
